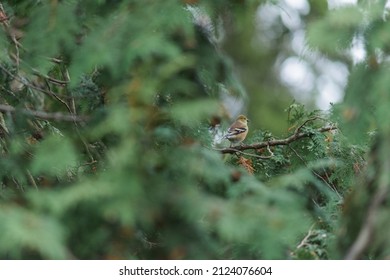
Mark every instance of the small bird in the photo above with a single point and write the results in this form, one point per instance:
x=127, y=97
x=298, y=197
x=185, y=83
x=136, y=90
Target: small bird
x=238, y=130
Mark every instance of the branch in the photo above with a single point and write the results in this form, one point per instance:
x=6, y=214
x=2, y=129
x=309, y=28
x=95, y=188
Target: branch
x=44, y=115
x=249, y=154
x=4, y=20
x=50, y=79
x=306, y=238
x=367, y=231
x=333, y=188
x=307, y=121
x=277, y=142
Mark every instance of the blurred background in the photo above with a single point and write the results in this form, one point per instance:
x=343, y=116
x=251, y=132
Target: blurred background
x=276, y=65
x=109, y=109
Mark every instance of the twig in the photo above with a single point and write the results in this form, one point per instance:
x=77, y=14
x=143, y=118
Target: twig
x=365, y=235
x=333, y=188
x=50, y=79
x=305, y=122
x=47, y=92
x=6, y=25
x=88, y=163
x=18, y=186
x=43, y=115
x=31, y=179
x=23, y=81
x=55, y=60
x=277, y=142
x=308, y=235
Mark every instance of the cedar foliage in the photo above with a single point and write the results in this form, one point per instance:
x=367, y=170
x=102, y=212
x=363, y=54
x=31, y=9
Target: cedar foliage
x=106, y=141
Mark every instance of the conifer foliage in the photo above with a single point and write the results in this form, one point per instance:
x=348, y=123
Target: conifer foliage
x=110, y=115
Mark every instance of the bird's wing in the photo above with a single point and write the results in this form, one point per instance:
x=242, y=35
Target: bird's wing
x=233, y=131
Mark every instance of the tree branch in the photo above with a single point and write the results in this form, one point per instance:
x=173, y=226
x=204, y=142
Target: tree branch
x=50, y=79
x=306, y=238
x=277, y=142
x=271, y=154
x=4, y=20
x=44, y=115
x=367, y=231
x=329, y=184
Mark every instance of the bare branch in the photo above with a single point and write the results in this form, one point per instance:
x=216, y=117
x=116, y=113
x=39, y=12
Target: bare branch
x=31, y=179
x=50, y=79
x=248, y=154
x=4, y=20
x=307, y=121
x=367, y=231
x=44, y=115
x=306, y=238
x=276, y=142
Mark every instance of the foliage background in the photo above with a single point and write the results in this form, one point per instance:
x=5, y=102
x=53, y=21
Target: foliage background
x=111, y=113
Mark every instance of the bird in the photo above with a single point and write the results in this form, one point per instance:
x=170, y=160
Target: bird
x=238, y=130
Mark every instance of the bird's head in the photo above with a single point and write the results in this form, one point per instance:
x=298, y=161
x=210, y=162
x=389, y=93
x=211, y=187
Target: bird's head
x=243, y=119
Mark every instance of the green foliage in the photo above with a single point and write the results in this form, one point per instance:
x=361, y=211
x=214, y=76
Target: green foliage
x=28, y=233
x=342, y=22
x=134, y=175
x=57, y=24
x=48, y=153
x=364, y=122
